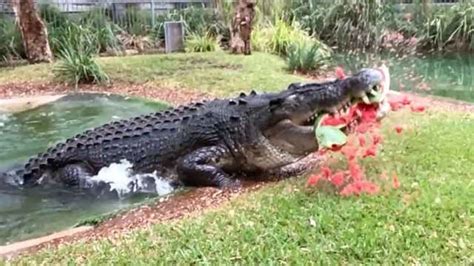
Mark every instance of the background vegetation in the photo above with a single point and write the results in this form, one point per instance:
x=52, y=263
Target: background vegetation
x=304, y=32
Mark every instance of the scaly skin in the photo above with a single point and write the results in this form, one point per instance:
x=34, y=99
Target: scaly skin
x=205, y=143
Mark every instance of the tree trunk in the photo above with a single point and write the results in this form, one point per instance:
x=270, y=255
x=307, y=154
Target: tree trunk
x=33, y=31
x=242, y=27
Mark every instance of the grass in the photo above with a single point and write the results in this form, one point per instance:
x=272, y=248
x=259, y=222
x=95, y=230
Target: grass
x=429, y=220
x=218, y=72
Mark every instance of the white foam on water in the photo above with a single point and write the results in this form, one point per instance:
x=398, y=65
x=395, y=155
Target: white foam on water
x=121, y=179
x=4, y=118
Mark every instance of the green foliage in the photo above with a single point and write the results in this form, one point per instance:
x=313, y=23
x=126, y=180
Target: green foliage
x=97, y=21
x=136, y=21
x=261, y=38
x=451, y=27
x=304, y=53
x=355, y=25
x=278, y=37
x=201, y=43
x=362, y=24
x=76, y=48
x=52, y=16
x=11, y=46
x=306, y=57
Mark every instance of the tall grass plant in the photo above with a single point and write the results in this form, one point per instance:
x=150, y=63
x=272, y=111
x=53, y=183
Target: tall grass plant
x=76, y=50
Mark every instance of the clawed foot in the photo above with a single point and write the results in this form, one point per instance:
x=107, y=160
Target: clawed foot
x=230, y=184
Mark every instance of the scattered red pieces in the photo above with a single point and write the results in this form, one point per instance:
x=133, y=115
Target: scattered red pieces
x=313, y=180
x=355, y=170
x=370, y=152
x=364, y=128
x=417, y=108
x=334, y=121
x=376, y=139
x=398, y=102
x=326, y=171
x=337, y=179
x=398, y=129
x=395, y=182
x=340, y=73
x=350, y=152
x=359, y=187
x=362, y=140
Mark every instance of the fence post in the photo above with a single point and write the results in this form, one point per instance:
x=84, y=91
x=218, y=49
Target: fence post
x=152, y=13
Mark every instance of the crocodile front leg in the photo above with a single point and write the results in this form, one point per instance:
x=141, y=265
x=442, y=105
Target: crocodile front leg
x=203, y=168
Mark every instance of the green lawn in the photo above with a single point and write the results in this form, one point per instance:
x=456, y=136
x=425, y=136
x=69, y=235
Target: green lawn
x=219, y=72
x=428, y=220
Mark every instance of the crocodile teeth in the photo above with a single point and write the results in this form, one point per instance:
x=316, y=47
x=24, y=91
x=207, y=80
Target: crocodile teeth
x=365, y=99
x=372, y=92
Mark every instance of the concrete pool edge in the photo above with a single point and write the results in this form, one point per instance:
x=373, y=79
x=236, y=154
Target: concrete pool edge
x=20, y=104
x=13, y=249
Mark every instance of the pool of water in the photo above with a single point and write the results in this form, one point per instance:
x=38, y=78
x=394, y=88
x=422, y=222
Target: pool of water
x=34, y=212
x=449, y=76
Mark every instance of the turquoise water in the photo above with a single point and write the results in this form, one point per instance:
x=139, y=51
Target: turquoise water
x=449, y=76
x=34, y=212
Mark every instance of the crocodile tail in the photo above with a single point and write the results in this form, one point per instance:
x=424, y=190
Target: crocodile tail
x=11, y=178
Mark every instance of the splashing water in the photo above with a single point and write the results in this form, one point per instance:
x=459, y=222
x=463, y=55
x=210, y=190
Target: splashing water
x=120, y=178
x=24, y=133
x=3, y=119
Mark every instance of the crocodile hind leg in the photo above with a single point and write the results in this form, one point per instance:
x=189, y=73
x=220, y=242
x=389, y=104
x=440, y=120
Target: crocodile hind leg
x=202, y=168
x=80, y=175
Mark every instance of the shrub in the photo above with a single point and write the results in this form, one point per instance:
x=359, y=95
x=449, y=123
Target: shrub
x=136, y=21
x=52, y=15
x=355, y=25
x=278, y=37
x=306, y=57
x=261, y=38
x=201, y=43
x=11, y=46
x=453, y=26
x=77, y=48
x=98, y=22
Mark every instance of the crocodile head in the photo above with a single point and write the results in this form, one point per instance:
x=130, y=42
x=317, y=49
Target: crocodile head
x=295, y=110
x=303, y=103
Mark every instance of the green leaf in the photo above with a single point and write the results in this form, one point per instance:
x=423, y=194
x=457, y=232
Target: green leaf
x=327, y=136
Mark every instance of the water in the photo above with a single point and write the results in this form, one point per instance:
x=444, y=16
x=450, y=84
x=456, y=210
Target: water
x=449, y=76
x=35, y=212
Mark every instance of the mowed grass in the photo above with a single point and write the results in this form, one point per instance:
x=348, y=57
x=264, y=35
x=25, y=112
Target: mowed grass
x=428, y=220
x=219, y=73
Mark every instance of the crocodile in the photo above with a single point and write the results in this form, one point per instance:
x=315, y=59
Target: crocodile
x=206, y=143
